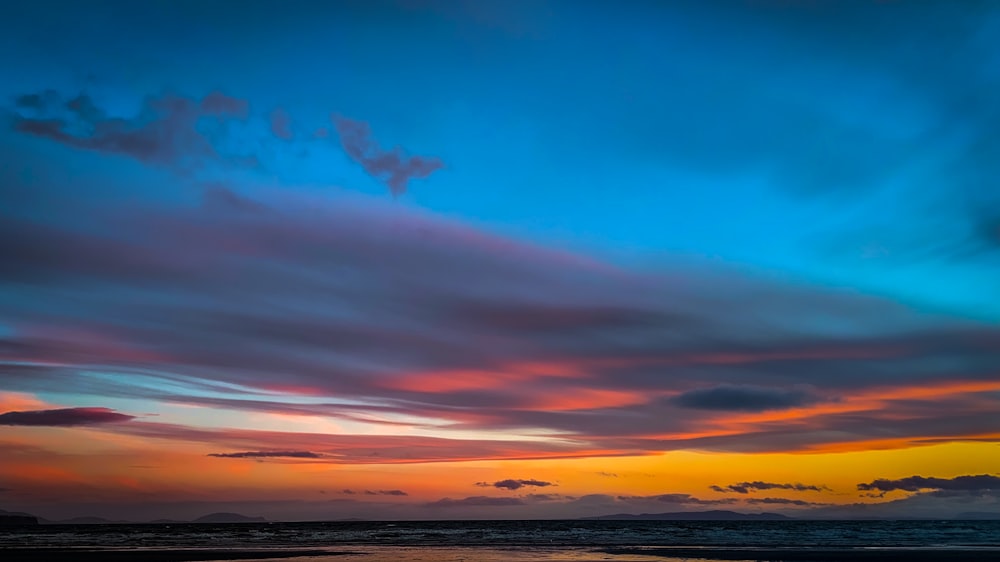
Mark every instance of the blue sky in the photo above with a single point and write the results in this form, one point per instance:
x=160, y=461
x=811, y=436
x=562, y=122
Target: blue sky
x=841, y=161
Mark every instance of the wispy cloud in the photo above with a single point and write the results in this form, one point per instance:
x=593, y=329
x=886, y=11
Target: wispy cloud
x=744, y=397
x=268, y=455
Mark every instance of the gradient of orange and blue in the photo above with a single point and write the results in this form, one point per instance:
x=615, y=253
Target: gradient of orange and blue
x=499, y=259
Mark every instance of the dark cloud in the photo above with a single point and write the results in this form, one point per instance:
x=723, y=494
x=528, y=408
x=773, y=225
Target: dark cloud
x=66, y=417
x=281, y=124
x=379, y=492
x=970, y=484
x=476, y=501
x=389, y=166
x=607, y=474
x=165, y=132
x=268, y=455
x=744, y=397
x=512, y=484
x=748, y=487
x=221, y=105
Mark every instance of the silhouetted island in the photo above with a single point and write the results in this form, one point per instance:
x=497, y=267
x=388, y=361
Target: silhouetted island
x=17, y=520
x=223, y=517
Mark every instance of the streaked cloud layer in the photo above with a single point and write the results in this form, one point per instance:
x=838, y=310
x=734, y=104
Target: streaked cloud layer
x=450, y=274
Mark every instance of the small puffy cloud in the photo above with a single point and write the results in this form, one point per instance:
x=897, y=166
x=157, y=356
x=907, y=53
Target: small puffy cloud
x=743, y=397
x=389, y=166
x=268, y=455
x=65, y=417
x=748, y=487
x=512, y=484
x=980, y=484
x=486, y=501
x=217, y=103
x=281, y=124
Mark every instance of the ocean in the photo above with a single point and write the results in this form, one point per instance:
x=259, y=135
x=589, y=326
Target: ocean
x=446, y=541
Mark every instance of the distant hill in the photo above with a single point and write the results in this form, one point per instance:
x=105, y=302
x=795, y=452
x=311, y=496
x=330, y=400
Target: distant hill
x=714, y=515
x=17, y=520
x=223, y=517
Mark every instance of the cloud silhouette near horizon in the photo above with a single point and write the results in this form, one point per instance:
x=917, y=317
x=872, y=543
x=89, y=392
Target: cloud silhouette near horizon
x=515, y=484
x=64, y=417
x=748, y=487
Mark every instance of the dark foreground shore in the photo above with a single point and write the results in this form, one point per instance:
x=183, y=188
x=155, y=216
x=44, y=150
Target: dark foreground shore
x=153, y=555
x=817, y=555
x=429, y=554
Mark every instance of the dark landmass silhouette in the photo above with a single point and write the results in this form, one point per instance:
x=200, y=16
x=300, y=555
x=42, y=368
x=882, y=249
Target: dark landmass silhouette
x=223, y=517
x=17, y=520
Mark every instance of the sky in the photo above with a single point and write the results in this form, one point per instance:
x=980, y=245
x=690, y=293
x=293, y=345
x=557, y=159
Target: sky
x=422, y=259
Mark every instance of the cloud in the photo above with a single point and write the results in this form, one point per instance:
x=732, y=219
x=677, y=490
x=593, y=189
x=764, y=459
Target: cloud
x=744, y=397
x=281, y=124
x=378, y=492
x=476, y=501
x=378, y=312
x=748, y=487
x=970, y=484
x=511, y=484
x=165, y=131
x=268, y=455
x=219, y=104
x=607, y=474
x=392, y=166
x=65, y=417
